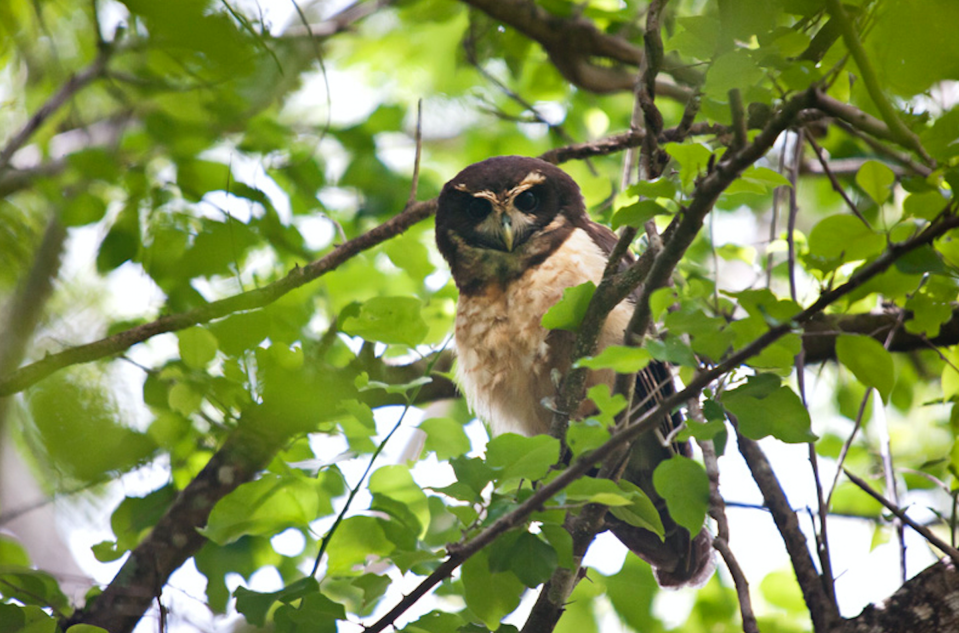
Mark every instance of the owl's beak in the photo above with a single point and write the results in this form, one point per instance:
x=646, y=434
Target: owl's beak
x=507, y=231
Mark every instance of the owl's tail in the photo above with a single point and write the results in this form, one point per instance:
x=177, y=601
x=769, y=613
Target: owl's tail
x=677, y=560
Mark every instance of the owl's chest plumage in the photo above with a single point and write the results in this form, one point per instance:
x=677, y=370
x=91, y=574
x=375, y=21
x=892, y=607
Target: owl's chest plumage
x=507, y=358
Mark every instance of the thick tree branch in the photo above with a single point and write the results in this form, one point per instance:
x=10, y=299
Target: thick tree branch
x=822, y=610
x=572, y=44
x=926, y=603
x=175, y=538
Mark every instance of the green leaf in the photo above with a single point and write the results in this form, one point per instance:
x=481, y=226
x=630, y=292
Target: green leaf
x=684, y=485
x=869, y=361
x=198, y=177
x=765, y=407
x=134, y=518
x=692, y=159
x=519, y=457
x=707, y=431
x=591, y=490
x=315, y=613
x=472, y=472
x=391, y=320
x=82, y=628
x=637, y=214
x=568, y=312
x=267, y=506
x=29, y=619
x=83, y=208
x=780, y=589
x=12, y=553
x=609, y=405
x=844, y=236
x=620, y=358
x=491, y=596
x=197, y=347
x=735, y=69
x=532, y=560
x=183, y=399
x=925, y=204
x=255, y=605
x=641, y=511
x=396, y=483
x=632, y=591
x=32, y=587
x=876, y=179
x=698, y=37
x=657, y=188
x=928, y=315
x=445, y=437
x=357, y=540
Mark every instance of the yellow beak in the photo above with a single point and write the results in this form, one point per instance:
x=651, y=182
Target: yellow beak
x=507, y=224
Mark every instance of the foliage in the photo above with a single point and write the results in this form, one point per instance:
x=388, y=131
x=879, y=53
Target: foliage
x=210, y=152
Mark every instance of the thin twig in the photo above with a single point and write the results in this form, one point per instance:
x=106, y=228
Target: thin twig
x=70, y=87
x=419, y=153
x=885, y=453
x=859, y=415
x=926, y=533
x=838, y=188
x=717, y=510
x=822, y=534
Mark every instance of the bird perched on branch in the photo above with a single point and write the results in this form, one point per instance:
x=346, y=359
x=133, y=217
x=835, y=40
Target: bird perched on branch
x=516, y=234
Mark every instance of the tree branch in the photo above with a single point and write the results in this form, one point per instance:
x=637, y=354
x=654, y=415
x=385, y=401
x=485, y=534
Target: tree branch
x=176, y=538
x=824, y=613
x=74, y=84
x=926, y=533
x=250, y=300
x=572, y=44
x=927, y=603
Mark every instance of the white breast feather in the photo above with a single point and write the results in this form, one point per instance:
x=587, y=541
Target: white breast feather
x=504, y=362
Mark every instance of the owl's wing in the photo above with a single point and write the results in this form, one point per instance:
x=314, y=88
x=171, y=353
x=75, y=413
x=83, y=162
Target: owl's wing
x=654, y=383
x=680, y=558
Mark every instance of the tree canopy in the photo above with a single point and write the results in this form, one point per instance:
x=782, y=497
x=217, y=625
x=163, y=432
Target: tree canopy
x=224, y=313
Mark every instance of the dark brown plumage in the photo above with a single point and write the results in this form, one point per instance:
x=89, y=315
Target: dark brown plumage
x=516, y=234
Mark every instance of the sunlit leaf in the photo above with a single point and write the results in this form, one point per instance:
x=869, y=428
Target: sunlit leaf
x=685, y=487
x=765, y=407
x=568, y=312
x=445, y=437
x=620, y=358
x=868, y=360
x=876, y=180
x=522, y=457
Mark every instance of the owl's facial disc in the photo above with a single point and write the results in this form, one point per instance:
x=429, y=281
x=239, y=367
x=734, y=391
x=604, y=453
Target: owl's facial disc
x=505, y=220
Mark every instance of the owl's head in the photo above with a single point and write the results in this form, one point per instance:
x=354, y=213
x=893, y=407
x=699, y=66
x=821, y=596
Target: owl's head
x=499, y=217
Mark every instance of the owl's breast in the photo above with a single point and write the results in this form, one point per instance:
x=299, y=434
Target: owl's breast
x=506, y=357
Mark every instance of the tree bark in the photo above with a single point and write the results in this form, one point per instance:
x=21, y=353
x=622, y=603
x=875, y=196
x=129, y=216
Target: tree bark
x=926, y=603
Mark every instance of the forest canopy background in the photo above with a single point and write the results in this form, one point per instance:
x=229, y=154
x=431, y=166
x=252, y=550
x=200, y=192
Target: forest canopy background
x=221, y=298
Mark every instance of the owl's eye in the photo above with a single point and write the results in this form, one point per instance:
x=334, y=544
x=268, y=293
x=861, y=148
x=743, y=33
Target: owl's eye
x=526, y=201
x=479, y=208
